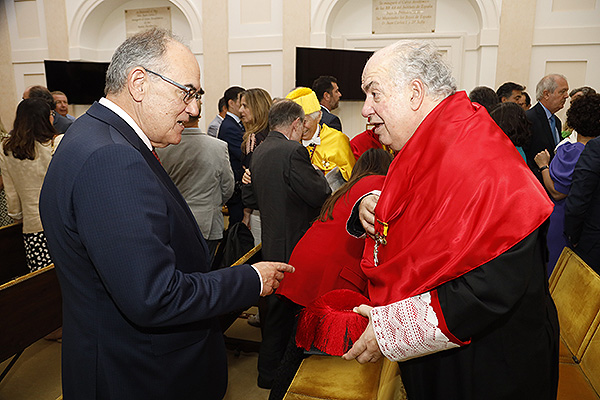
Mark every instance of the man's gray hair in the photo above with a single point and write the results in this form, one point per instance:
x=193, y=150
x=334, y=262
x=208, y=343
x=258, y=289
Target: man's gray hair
x=283, y=113
x=547, y=83
x=144, y=49
x=416, y=59
x=314, y=115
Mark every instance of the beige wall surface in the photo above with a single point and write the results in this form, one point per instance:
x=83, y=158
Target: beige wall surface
x=252, y=42
x=7, y=75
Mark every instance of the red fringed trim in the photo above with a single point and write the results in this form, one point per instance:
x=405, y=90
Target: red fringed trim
x=329, y=324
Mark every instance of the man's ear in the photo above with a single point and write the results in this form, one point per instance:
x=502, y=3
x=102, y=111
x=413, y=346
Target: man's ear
x=545, y=94
x=137, y=81
x=417, y=94
x=298, y=126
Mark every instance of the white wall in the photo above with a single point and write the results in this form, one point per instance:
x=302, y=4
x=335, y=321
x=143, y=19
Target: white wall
x=566, y=41
x=261, y=36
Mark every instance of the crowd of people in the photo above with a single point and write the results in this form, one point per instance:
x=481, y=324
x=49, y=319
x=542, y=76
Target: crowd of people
x=448, y=213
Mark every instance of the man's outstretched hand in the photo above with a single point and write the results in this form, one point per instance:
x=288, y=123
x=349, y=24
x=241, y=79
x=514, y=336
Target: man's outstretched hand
x=271, y=273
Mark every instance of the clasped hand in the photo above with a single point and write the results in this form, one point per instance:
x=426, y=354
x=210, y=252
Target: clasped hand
x=366, y=348
x=366, y=213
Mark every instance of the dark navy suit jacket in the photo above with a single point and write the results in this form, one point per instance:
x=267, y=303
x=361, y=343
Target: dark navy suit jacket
x=541, y=136
x=61, y=124
x=331, y=120
x=582, y=215
x=231, y=132
x=139, y=302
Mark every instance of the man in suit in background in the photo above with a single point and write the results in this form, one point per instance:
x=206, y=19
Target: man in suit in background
x=232, y=132
x=215, y=124
x=289, y=193
x=62, y=104
x=61, y=124
x=509, y=91
x=140, y=306
x=551, y=92
x=199, y=167
x=328, y=93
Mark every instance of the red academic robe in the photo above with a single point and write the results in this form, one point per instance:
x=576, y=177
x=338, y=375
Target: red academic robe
x=458, y=270
x=456, y=196
x=328, y=257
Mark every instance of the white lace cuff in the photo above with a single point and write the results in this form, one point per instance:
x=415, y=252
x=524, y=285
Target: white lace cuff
x=409, y=329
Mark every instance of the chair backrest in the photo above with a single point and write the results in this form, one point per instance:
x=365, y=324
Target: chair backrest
x=575, y=288
x=590, y=362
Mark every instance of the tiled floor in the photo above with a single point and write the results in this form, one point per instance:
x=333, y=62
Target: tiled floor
x=36, y=375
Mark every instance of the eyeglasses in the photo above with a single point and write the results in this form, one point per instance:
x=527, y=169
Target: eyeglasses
x=189, y=93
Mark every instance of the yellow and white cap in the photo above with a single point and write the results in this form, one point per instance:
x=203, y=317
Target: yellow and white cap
x=306, y=98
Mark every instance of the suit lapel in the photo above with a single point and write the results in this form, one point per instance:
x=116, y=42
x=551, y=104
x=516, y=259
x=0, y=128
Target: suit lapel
x=103, y=113
x=541, y=113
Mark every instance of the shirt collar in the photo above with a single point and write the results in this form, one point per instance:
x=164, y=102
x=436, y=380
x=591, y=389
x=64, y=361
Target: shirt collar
x=326, y=109
x=548, y=113
x=316, y=139
x=121, y=113
x=237, y=119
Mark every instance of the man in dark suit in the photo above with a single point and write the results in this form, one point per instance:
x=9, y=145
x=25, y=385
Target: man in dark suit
x=289, y=193
x=328, y=93
x=61, y=124
x=232, y=132
x=509, y=91
x=551, y=93
x=139, y=305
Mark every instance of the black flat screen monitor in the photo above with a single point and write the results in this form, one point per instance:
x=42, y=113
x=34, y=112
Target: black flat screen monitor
x=81, y=81
x=345, y=65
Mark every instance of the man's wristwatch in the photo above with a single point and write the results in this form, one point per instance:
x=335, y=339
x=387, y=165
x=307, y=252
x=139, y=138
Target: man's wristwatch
x=543, y=168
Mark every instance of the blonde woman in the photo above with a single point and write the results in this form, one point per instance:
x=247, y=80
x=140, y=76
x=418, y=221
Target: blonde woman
x=255, y=104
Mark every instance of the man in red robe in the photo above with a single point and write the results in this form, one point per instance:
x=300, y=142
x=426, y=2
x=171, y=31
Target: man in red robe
x=454, y=257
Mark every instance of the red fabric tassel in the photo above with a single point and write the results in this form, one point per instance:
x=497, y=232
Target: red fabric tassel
x=329, y=324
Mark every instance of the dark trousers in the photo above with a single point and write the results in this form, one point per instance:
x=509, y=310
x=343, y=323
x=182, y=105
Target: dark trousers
x=212, y=248
x=235, y=207
x=279, y=317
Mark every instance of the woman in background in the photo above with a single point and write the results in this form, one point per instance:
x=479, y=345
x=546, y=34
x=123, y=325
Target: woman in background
x=328, y=257
x=255, y=104
x=511, y=118
x=24, y=158
x=4, y=218
x=254, y=112
x=584, y=117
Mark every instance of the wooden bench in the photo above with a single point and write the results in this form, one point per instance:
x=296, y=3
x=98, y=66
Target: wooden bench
x=575, y=288
x=31, y=308
x=13, y=253
x=30, y=303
